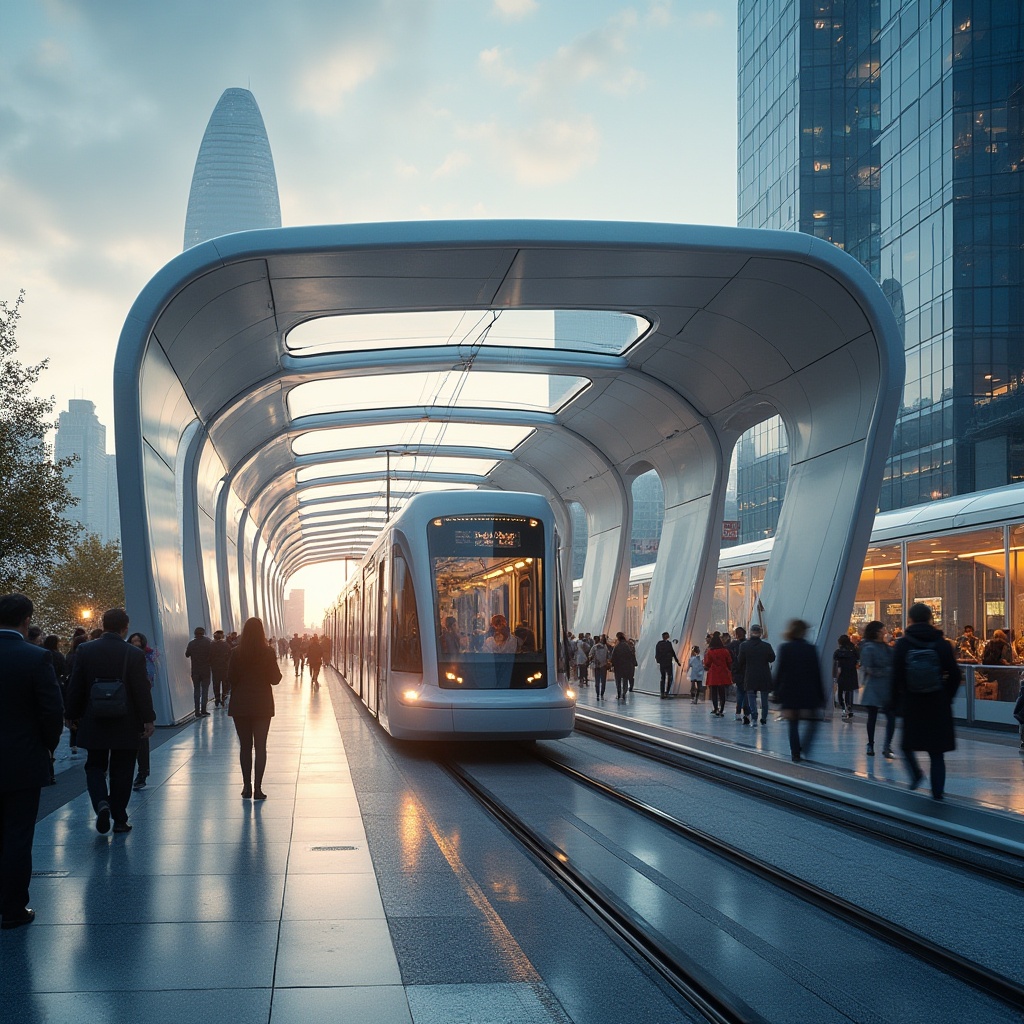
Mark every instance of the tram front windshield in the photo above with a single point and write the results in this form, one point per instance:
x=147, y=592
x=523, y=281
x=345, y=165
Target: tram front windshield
x=488, y=575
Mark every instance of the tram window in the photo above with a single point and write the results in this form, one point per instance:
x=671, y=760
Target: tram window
x=406, y=654
x=488, y=602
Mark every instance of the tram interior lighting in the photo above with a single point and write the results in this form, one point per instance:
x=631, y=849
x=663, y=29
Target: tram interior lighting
x=509, y=568
x=520, y=565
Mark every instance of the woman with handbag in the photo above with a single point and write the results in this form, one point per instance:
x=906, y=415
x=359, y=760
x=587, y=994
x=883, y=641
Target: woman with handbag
x=252, y=671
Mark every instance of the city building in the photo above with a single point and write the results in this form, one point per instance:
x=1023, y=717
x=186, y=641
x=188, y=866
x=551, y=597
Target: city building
x=893, y=129
x=294, y=612
x=234, y=185
x=93, y=478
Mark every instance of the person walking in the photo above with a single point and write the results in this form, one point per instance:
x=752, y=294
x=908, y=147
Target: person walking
x=623, y=659
x=31, y=723
x=220, y=652
x=733, y=647
x=139, y=640
x=925, y=678
x=717, y=663
x=198, y=653
x=112, y=739
x=755, y=664
x=582, y=660
x=844, y=673
x=876, y=692
x=664, y=655
x=599, y=655
x=799, y=687
x=315, y=660
x=252, y=671
x=695, y=669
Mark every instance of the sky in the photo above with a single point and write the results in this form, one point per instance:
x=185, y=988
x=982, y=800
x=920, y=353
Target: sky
x=376, y=110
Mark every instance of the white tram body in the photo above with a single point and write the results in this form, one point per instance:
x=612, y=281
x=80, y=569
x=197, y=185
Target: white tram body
x=418, y=631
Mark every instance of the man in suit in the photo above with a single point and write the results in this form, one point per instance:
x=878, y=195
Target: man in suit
x=112, y=742
x=198, y=653
x=31, y=721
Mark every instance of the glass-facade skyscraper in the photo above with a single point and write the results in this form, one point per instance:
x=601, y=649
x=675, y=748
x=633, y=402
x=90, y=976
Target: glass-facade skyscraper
x=234, y=185
x=895, y=130
x=93, y=478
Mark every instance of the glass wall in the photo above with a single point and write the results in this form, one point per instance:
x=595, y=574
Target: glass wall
x=880, y=594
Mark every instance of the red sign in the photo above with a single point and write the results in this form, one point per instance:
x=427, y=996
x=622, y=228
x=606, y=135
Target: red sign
x=730, y=529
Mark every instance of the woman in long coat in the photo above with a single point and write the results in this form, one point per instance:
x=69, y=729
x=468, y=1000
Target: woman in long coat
x=799, y=687
x=717, y=661
x=252, y=671
x=876, y=674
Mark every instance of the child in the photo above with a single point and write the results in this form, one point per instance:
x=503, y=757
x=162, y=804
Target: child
x=696, y=675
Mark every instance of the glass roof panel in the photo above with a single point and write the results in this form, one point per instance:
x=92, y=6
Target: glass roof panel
x=399, y=489
x=461, y=389
x=399, y=464
x=420, y=432
x=577, y=330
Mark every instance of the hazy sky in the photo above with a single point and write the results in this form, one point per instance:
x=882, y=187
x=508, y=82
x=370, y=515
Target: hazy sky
x=376, y=110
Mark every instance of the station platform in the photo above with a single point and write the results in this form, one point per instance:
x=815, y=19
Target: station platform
x=216, y=908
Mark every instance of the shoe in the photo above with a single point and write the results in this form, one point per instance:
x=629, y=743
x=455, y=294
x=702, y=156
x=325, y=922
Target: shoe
x=122, y=827
x=246, y=793
x=887, y=753
x=139, y=783
x=871, y=750
x=796, y=758
x=764, y=721
x=738, y=715
x=74, y=751
x=103, y=818
x=845, y=717
x=26, y=916
x=917, y=780
x=746, y=720
x=259, y=795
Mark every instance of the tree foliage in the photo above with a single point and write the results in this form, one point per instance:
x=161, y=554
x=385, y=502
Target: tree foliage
x=90, y=579
x=33, y=490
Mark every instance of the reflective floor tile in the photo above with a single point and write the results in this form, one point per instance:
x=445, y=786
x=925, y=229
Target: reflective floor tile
x=332, y=897
x=379, y=1005
x=330, y=953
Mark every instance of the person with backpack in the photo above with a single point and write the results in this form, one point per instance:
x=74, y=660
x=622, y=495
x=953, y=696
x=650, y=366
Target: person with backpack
x=925, y=678
x=599, y=658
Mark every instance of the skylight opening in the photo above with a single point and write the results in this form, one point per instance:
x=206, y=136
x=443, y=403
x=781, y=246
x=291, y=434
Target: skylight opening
x=400, y=463
x=423, y=433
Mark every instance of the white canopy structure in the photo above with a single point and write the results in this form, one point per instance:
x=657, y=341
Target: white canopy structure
x=276, y=389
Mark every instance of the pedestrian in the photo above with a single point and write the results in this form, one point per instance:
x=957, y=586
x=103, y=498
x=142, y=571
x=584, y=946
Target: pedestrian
x=925, y=678
x=623, y=659
x=582, y=659
x=755, y=662
x=876, y=693
x=110, y=728
x=252, y=671
x=696, y=672
x=599, y=655
x=799, y=687
x=139, y=640
x=315, y=659
x=717, y=663
x=733, y=647
x=31, y=722
x=664, y=655
x=295, y=649
x=220, y=652
x=51, y=644
x=632, y=665
x=844, y=673
x=198, y=653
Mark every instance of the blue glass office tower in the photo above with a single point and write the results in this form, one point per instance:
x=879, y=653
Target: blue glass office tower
x=894, y=129
x=234, y=185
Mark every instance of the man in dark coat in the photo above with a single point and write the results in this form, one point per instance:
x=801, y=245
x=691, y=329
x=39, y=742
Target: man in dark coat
x=927, y=717
x=112, y=742
x=31, y=721
x=664, y=655
x=198, y=653
x=754, y=660
x=733, y=647
x=220, y=652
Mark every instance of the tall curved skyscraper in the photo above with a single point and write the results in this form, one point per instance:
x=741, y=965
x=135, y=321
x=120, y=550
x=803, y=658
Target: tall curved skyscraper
x=234, y=186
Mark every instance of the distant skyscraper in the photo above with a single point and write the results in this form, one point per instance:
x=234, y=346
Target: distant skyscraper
x=295, y=612
x=92, y=479
x=234, y=186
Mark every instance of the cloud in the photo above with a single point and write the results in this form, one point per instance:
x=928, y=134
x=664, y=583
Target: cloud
x=514, y=10
x=452, y=163
x=709, y=18
x=548, y=152
x=324, y=86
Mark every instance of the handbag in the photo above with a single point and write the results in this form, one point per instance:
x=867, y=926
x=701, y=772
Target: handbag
x=108, y=698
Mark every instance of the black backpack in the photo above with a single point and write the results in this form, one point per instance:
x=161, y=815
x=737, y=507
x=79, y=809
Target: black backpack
x=923, y=667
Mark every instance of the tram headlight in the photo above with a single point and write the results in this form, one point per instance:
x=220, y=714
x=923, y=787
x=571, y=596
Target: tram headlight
x=570, y=693
x=411, y=695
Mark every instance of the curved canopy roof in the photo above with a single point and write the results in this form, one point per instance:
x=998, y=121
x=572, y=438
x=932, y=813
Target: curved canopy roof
x=325, y=363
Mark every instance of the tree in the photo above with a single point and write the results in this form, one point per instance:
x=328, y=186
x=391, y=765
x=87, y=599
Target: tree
x=90, y=579
x=33, y=490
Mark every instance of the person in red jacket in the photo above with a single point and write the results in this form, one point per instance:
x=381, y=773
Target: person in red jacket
x=717, y=662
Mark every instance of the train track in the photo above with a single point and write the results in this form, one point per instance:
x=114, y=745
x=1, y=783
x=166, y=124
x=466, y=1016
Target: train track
x=989, y=857
x=692, y=981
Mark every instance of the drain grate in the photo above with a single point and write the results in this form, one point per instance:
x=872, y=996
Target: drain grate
x=50, y=874
x=331, y=849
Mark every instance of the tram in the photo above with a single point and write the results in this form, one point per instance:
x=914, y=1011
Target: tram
x=453, y=626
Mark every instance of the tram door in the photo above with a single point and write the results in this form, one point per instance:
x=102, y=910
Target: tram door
x=371, y=597
x=380, y=634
